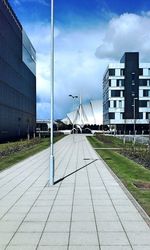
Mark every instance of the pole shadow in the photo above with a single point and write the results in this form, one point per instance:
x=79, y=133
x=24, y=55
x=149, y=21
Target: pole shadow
x=61, y=179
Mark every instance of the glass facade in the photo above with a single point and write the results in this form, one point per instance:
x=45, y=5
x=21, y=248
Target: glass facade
x=28, y=53
x=17, y=81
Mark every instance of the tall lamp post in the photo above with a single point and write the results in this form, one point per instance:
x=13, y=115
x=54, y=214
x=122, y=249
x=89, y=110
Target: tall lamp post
x=51, y=170
x=134, y=119
x=73, y=97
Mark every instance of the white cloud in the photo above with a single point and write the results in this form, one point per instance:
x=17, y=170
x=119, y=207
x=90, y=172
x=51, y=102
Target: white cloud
x=77, y=69
x=43, y=110
x=128, y=32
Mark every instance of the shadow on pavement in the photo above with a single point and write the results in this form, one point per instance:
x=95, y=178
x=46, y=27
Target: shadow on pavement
x=61, y=179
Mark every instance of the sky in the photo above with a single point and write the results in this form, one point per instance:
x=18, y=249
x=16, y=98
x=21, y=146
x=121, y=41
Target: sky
x=89, y=34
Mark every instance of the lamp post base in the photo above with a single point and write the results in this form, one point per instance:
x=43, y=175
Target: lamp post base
x=51, y=171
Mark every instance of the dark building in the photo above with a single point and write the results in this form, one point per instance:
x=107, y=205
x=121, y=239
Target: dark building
x=126, y=94
x=17, y=78
x=42, y=125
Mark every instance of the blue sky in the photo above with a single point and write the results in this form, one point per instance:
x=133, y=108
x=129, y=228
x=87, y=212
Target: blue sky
x=88, y=35
x=86, y=11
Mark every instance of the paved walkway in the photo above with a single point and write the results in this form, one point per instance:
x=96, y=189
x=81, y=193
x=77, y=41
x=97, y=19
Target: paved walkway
x=87, y=210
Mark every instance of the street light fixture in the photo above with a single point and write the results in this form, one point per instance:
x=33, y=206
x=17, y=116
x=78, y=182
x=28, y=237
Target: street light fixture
x=73, y=97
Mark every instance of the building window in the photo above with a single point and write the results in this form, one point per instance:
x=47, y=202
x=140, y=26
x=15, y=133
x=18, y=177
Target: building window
x=115, y=93
x=148, y=83
x=109, y=83
x=120, y=82
x=122, y=72
x=111, y=72
x=122, y=93
x=140, y=115
x=141, y=72
x=114, y=104
x=148, y=115
x=143, y=104
x=143, y=82
x=133, y=76
x=111, y=115
x=145, y=72
x=120, y=104
x=121, y=116
x=146, y=92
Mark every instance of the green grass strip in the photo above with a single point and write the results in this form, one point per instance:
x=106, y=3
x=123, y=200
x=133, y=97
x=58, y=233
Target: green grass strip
x=14, y=158
x=128, y=172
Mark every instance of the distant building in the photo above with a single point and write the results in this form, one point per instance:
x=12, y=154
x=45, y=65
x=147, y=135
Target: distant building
x=86, y=114
x=42, y=125
x=126, y=94
x=17, y=77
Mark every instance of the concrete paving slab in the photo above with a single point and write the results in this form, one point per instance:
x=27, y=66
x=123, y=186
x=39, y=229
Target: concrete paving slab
x=59, y=226
x=52, y=247
x=36, y=216
x=139, y=238
x=84, y=247
x=83, y=238
x=141, y=247
x=4, y=238
x=21, y=247
x=8, y=226
x=113, y=238
x=86, y=209
x=54, y=239
x=56, y=216
x=79, y=226
x=130, y=216
x=135, y=226
x=26, y=239
x=83, y=216
x=109, y=226
x=116, y=248
x=31, y=227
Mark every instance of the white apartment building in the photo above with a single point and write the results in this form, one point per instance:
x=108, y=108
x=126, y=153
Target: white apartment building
x=126, y=94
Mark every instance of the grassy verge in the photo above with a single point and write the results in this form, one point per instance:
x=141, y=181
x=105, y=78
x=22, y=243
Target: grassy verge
x=26, y=152
x=109, y=141
x=129, y=172
x=139, y=153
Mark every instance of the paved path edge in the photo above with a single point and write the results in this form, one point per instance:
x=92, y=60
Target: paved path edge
x=127, y=192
